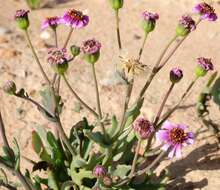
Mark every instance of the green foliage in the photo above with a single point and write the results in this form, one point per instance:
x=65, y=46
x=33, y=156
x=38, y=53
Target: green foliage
x=216, y=92
x=34, y=4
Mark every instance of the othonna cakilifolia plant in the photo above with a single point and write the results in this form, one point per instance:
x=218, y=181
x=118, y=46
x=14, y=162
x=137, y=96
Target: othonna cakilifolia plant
x=103, y=155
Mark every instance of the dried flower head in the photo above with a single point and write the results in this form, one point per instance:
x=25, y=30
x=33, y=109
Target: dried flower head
x=51, y=22
x=206, y=11
x=176, y=75
x=75, y=19
x=143, y=128
x=99, y=171
x=132, y=67
x=9, y=87
x=174, y=137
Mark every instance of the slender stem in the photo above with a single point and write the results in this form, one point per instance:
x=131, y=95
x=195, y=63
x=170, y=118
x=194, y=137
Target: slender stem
x=158, y=117
x=172, y=53
x=98, y=99
x=39, y=106
x=55, y=36
x=169, y=113
x=142, y=47
x=68, y=38
x=23, y=180
x=155, y=69
x=133, y=167
x=17, y=172
x=36, y=57
x=153, y=164
x=64, y=137
x=129, y=88
x=163, y=104
x=78, y=98
x=118, y=29
x=2, y=131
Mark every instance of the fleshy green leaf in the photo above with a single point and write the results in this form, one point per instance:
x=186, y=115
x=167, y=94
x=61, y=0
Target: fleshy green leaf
x=121, y=171
x=216, y=91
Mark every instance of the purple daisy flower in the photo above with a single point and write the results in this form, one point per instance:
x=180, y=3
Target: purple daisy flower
x=176, y=75
x=57, y=56
x=150, y=16
x=52, y=22
x=174, y=138
x=206, y=11
x=75, y=19
x=187, y=22
x=21, y=14
x=143, y=127
x=205, y=63
x=91, y=46
x=99, y=171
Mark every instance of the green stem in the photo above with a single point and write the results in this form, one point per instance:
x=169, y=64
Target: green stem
x=36, y=57
x=68, y=38
x=169, y=113
x=78, y=98
x=55, y=36
x=129, y=88
x=133, y=167
x=64, y=137
x=155, y=69
x=98, y=100
x=142, y=47
x=118, y=29
x=158, y=117
x=163, y=104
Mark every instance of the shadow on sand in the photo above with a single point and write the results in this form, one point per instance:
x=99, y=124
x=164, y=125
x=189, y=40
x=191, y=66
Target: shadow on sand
x=203, y=158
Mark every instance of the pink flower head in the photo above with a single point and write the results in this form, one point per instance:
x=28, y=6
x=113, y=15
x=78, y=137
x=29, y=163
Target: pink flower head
x=75, y=19
x=152, y=17
x=205, y=63
x=21, y=14
x=99, y=171
x=52, y=22
x=143, y=127
x=174, y=138
x=206, y=11
x=57, y=56
x=91, y=46
x=187, y=22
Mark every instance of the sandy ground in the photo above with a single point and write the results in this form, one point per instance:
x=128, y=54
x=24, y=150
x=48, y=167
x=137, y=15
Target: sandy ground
x=200, y=166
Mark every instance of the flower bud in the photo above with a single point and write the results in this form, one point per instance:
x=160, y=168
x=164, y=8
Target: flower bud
x=204, y=65
x=99, y=171
x=149, y=22
x=21, y=17
x=143, y=128
x=185, y=26
x=75, y=50
x=117, y=4
x=176, y=75
x=10, y=87
x=58, y=60
x=91, y=50
x=107, y=181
